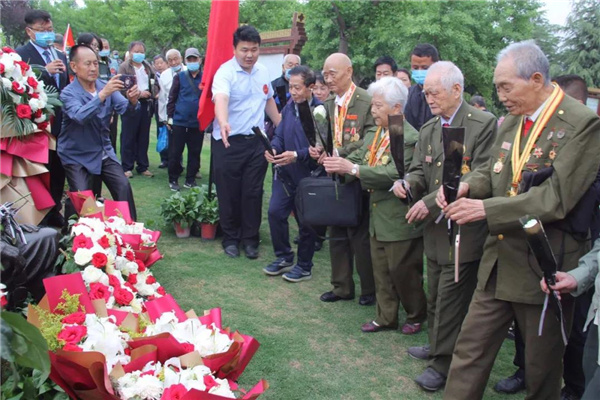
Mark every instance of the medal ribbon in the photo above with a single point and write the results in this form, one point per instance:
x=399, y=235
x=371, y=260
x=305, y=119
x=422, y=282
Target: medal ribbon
x=340, y=116
x=518, y=160
x=378, y=147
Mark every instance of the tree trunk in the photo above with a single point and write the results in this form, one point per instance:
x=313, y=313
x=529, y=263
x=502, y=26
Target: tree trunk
x=343, y=47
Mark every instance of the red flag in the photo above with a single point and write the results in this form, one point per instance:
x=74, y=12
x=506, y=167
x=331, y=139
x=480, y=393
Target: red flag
x=68, y=39
x=222, y=23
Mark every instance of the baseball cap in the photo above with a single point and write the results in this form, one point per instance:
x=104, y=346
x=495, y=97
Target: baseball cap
x=192, y=52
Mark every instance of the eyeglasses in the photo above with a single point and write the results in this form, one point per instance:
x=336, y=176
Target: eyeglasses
x=41, y=30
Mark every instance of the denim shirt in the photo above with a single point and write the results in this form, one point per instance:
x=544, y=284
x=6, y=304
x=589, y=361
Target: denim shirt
x=84, y=138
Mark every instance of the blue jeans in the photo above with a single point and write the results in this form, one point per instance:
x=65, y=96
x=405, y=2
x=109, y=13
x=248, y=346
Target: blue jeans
x=280, y=207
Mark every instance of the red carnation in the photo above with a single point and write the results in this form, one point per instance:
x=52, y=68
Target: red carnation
x=132, y=278
x=99, y=260
x=174, y=392
x=38, y=113
x=113, y=281
x=161, y=291
x=103, y=242
x=24, y=66
x=81, y=241
x=31, y=81
x=72, y=334
x=7, y=49
x=23, y=111
x=150, y=280
x=35, y=95
x=72, y=347
x=129, y=255
x=130, y=286
x=75, y=318
x=123, y=296
x=119, y=248
x=43, y=125
x=209, y=382
x=99, y=291
x=17, y=88
x=141, y=265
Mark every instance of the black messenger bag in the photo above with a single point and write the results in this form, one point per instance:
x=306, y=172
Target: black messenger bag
x=325, y=201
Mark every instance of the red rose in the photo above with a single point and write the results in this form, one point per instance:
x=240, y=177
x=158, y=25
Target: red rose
x=38, y=113
x=35, y=95
x=103, y=242
x=129, y=255
x=23, y=111
x=17, y=88
x=99, y=260
x=209, y=382
x=82, y=241
x=75, y=318
x=72, y=347
x=99, y=291
x=72, y=334
x=174, y=392
x=131, y=287
x=43, y=125
x=141, y=265
x=114, y=281
x=150, y=280
x=132, y=278
x=123, y=296
x=1, y=68
x=127, y=351
x=24, y=66
x=31, y=81
x=161, y=291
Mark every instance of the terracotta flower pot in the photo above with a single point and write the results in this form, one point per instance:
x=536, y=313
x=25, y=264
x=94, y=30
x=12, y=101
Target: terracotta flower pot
x=180, y=231
x=209, y=231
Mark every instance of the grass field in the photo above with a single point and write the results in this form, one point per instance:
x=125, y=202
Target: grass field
x=309, y=349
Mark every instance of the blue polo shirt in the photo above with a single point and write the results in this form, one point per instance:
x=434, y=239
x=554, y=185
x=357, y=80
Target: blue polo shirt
x=248, y=94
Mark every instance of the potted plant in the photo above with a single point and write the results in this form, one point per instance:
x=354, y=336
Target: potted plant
x=209, y=218
x=199, y=194
x=180, y=210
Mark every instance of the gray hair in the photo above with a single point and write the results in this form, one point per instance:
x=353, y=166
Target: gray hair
x=528, y=59
x=450, y=75
x=173, y=51
x=392, y=89
x=292, y=55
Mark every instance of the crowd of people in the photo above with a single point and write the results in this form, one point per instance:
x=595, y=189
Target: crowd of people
x=472, y=297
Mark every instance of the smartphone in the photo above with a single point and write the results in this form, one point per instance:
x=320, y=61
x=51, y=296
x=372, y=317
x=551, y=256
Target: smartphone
x=128, y=81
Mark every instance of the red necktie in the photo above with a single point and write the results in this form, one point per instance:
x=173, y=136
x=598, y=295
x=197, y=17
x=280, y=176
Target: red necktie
x=527, y=126
x=445, y=124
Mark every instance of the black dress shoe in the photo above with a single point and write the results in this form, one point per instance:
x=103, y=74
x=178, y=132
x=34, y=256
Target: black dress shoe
x=368, y=300
x=251, y=252
x=232, y=251
x=431, y=380
x=163, y=165
x=512, y=384
x=330, y=297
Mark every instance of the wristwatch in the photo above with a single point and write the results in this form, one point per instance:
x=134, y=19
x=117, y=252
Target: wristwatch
x=295, y=156
x=354, y=169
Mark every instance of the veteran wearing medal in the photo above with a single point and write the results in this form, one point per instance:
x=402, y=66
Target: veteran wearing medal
x=448, y=300
x=349, y=111
x=396, y=245
x=544, y=128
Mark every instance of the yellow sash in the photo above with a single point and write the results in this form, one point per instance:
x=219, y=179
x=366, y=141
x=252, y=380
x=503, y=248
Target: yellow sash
x=340, y=117
x=518, y=159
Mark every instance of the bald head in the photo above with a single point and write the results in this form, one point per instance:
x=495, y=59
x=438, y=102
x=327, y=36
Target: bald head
x=337, y=72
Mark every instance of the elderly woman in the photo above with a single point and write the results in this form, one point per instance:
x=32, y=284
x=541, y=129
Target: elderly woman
x=396, y=245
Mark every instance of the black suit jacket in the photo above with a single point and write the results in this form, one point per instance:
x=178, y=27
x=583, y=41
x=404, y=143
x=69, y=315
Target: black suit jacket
x=30, y=55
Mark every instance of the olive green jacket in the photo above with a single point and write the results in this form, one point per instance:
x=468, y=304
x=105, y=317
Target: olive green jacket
x=387, y=212
x=359, y=109
x=573, y=133
x=425, y=178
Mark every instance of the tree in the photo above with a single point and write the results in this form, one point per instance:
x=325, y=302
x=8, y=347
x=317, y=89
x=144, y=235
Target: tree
x=12, y=17
x=581, y=51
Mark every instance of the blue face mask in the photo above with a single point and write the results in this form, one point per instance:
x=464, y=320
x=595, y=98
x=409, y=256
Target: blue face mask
x=287, y=74
x=193, y=66
x=419, y=75
x=44, y=39
x=104, y=53
x=138, y=57
x=176, y=69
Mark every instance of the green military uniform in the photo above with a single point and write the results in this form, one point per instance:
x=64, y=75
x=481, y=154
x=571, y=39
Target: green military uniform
x=508, y=280
x=396, y=245
x=448, y=301
x=358, y=117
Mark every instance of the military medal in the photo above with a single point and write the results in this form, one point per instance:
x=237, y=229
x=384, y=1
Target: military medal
x=376, y=155
x=550, y=134
x=385, y=160
x=429, y=149
x=506, y=145
x=428, y=159
x=465, y=169
x=500, y=163
x=560, y=134
x=346, y=137
x=512, y=192
x=552, y=154
x=537, y=152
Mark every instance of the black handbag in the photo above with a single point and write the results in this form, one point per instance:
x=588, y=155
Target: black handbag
x=326, y=201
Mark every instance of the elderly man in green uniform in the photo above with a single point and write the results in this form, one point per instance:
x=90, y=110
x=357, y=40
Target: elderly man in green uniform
x=448, y=300
x=396, y=246
x=349, y=111
x=545, y=130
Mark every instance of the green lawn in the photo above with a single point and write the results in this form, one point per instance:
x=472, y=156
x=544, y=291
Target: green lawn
x=309, y=349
